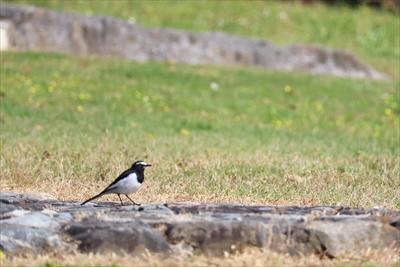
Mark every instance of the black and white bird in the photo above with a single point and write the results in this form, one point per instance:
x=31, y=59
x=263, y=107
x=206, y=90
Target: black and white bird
x=126, y=183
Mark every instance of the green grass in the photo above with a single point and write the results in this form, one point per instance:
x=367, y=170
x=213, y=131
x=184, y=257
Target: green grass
x=261, y=137
x=370, y=34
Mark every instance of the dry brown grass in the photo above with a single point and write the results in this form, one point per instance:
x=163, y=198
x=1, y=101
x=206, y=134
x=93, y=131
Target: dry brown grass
x=251, y=257
x=166, y=180
x=260, y=177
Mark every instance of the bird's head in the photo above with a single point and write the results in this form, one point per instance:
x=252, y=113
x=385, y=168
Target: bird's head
x=140, y=165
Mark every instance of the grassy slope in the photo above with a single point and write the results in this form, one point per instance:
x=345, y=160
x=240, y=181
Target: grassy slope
x=372, y=35
x=261, y=137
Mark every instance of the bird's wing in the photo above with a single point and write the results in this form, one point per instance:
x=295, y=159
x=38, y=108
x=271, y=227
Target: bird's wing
x=119, y=178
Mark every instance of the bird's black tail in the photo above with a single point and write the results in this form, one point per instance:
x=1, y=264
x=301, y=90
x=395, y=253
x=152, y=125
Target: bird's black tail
x=92, y=198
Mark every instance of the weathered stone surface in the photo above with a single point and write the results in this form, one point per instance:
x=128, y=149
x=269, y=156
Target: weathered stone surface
x=35, y=224
x=32, y=231
x=95, y=236
x=217, y=237
x=350, y=234
x=5, y=207
x=29, y=28
x=16, y=239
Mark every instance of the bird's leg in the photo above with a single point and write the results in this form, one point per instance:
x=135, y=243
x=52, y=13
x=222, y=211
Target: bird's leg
x=132, y=201
x=120, y=200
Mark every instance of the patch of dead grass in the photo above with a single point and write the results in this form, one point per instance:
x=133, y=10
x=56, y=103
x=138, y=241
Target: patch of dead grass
x=256, y=178
x=250, y=257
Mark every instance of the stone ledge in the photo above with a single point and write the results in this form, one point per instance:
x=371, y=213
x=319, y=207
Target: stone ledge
x=33, y=224
x=26, y=28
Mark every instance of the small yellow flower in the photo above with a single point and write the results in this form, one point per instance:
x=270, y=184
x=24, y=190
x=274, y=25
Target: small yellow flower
x=278, y=123
x=319, y=106
x=84, y=96
x=52, y=87
x=388, y=112
x=33, y=89
x=288, y=89
x=184, y=132
x=80, y=108
x=150, y=136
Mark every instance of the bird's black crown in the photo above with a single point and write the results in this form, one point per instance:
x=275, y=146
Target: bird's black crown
x=140, y=164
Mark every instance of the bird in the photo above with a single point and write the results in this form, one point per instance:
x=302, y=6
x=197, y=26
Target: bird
x=127, y=182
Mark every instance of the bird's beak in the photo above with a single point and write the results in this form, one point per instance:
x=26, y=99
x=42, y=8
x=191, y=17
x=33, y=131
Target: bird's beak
x=147, y=165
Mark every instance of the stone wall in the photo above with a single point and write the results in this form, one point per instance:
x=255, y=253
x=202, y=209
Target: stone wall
x=37, y=224
x=25, y=28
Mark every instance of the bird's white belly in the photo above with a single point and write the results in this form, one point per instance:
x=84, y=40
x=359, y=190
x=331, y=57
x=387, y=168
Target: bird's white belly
x=126, y=186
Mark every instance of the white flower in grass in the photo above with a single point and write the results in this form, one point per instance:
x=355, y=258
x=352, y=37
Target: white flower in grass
x=214, y=86
x=132, y=20
x=283, y=15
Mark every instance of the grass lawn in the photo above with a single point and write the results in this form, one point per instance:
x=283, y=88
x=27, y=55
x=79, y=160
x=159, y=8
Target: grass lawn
x=69, y=126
